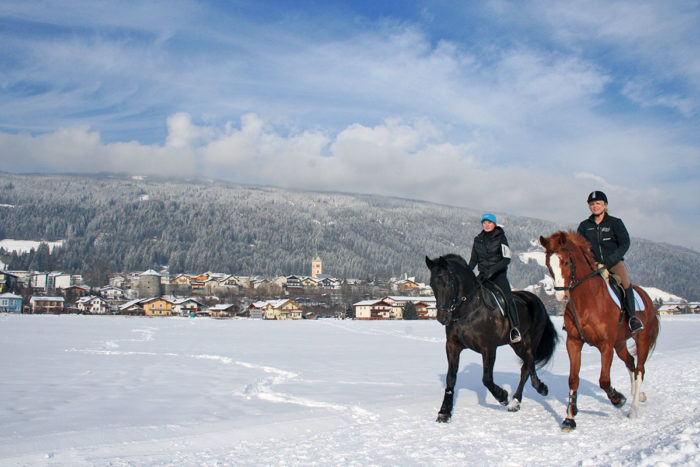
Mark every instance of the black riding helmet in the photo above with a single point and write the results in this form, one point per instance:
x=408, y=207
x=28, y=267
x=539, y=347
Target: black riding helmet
x=597, y=196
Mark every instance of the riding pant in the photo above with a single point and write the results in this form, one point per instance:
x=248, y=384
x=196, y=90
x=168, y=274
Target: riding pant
x=620, y=270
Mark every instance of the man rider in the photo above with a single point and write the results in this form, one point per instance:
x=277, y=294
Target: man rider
x=609, y=242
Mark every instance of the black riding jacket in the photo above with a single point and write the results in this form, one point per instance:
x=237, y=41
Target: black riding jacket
x=609, y=240
x=490, y=252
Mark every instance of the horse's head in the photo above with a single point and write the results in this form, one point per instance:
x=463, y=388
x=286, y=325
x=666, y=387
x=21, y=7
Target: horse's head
x=446, y=279
x=563, y=251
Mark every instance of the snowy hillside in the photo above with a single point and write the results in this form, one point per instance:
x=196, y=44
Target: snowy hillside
x=123, y=224
x=82, y=390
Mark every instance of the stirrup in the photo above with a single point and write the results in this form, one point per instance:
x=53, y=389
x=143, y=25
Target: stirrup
x=515, y=336
x=635, y=324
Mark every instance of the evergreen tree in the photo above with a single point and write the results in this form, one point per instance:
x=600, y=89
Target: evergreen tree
x=409, y=311
x=194, y=227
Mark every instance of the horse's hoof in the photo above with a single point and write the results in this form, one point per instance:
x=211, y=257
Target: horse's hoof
x=642, y=397
x=443, y=417
x=620, y=402
x=504, y=401
x=542, y=389
x=567, y=425
x=514, y=405
x=633, y=413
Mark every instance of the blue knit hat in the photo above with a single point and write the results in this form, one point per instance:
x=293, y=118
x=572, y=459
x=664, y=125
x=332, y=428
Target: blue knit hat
x=488, y=217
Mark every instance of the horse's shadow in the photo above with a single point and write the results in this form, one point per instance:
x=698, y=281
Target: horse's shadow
x=469, y=379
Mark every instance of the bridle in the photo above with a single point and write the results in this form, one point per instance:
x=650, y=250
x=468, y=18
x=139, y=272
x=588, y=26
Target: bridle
x=456, y=300
x=573, y=282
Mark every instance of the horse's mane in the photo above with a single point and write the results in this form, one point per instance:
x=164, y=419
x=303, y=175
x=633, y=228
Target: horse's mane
x=453, y=258
x=579, y=241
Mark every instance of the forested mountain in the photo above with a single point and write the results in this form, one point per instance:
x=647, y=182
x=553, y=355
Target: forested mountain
x=117, y=223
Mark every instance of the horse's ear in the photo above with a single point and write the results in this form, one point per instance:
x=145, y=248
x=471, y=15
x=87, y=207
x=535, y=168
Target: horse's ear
x=560, y=238
x=429, y=262
x=544, y=242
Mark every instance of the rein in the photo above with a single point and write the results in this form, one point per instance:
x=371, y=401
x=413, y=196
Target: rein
x=573, y=283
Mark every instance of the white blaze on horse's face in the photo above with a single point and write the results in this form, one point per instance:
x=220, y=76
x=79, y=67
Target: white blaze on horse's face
x=555, y=264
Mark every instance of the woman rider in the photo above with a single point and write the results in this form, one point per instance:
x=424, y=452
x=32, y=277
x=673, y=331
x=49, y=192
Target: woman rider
x=609, y=242
x=491, y=253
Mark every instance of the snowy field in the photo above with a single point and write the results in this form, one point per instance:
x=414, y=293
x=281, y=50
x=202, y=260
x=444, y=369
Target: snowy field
x=83, y=390
x=25, y=246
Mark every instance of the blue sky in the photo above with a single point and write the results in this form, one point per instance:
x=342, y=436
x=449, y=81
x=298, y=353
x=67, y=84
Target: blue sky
x=519, y=108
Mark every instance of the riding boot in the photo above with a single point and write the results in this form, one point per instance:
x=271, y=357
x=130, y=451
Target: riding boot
x=635, y=323
x=514, y=320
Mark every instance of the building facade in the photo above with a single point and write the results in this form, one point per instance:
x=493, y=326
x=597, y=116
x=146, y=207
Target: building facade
x=316, y=267
x=10, y=303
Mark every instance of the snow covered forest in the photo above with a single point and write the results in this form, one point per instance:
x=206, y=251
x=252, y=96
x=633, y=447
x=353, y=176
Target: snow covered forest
x=114, y=224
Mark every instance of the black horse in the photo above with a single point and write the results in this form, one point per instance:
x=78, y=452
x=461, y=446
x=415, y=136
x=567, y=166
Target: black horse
x=473, y=321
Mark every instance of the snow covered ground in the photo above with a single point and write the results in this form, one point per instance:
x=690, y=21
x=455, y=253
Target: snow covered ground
x=87, y=390
x=25, y=246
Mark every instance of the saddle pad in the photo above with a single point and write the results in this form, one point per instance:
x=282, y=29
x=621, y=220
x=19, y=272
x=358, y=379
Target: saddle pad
x=493, y=299
x=638, y=303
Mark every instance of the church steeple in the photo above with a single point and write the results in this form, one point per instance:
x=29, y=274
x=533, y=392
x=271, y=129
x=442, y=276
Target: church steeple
x=316, y=267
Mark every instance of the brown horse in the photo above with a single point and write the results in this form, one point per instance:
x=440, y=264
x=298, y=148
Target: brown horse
x=592, y=317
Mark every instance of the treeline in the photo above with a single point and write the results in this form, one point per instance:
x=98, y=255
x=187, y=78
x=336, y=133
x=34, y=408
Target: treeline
x=113, y=223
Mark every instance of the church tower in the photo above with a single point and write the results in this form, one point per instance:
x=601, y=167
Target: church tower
x=316, y=267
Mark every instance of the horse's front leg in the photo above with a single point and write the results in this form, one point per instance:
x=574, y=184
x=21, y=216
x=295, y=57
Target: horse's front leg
x=606, y=356
x=488, y=358
x=527, y=369
x=453, y=350
x=573, y=348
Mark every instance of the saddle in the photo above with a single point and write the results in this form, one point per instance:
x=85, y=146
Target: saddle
x=617, y=292
x=494, y=298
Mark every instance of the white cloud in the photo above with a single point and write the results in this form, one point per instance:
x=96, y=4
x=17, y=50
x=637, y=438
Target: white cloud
x=182, y=132
x=522, y=117
x=398, y=158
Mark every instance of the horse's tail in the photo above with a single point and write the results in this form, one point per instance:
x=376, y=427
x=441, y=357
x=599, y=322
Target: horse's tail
x=654, y=325
x=547, y=344
x=654, y=334
x=548, y=340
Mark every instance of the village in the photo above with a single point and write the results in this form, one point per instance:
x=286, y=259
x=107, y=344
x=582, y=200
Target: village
x=217, y=295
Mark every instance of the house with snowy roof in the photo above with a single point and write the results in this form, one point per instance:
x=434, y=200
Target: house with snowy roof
x=112, y=293
x=157, y=306
x=222, y=310
x=426, y=307
x=40, y=304
x=392, y=306
x=281, y=309
x=10, y=303
x=132, y=307
x=373, y=309
x=186, y=306
x=93, y=305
